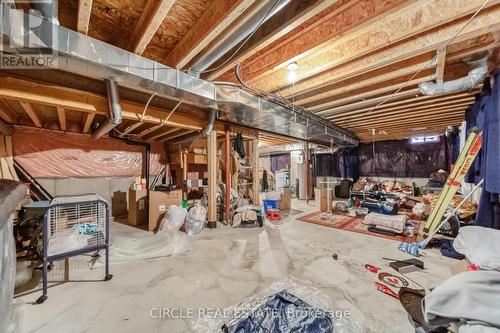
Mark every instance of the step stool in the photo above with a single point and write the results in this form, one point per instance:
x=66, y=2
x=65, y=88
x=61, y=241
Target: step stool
x=273, y=214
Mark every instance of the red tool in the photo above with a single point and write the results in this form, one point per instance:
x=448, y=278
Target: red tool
x=273, y=214
x=372, y=268
x=386, y=290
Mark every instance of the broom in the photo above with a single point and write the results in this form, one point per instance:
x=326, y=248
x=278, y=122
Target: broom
x=414, y=247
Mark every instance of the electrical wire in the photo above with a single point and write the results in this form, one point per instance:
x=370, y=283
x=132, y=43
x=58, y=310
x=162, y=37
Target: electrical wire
x=146, y=106
x=432, y=60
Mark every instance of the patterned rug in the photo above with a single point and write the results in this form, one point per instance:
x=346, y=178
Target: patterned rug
x=354, y=224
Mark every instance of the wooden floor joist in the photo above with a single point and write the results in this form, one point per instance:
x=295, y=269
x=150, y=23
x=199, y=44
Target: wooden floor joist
x=32, y=112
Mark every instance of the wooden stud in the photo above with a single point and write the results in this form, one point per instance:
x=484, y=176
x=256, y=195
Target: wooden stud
x=130, y=128
x=84, y=12
x=212, y=179
x=61, y=115
x=228, y=173
x=10, y=157
x=151, y=18
x=255, y=171
x=89, y=118
x=215, y=19
x=32, y=113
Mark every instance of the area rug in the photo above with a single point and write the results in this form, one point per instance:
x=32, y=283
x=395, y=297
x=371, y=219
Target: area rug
x=354, y=224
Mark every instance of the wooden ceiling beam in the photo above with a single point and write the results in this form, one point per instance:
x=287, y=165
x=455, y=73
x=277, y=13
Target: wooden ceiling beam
x=61, y=115
x=82, y=101
x=7, y=113
x=417, y=130
x=370, y=102
x=409, y=110
x=296, y=13
x=32, y=113
x=441, y=62
x=399, y=24
x=156, y=136
x=337, y=69
x=365, y=95
x=346, y=16
x=87, y=124
x=360, y=82
x=84, y=12
x=131, y=128
x=150, y=20
x=398, y=105
x=425, y=115
x=216, y=18
x=173, y=136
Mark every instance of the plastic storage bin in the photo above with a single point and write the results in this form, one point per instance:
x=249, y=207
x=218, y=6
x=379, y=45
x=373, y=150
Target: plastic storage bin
x=270, y=203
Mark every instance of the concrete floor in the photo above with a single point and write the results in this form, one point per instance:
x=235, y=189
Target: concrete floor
x=224, y=267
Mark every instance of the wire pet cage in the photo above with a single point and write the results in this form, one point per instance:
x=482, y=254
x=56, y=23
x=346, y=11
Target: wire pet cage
x=74, y=225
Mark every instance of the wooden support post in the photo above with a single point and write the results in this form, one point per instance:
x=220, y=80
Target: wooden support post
x=184, y=166
x=228, y=174
x=308, y=171
x=212, y=179
x=255, y=171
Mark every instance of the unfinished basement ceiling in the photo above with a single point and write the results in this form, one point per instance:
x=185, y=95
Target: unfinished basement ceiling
x=351, y=55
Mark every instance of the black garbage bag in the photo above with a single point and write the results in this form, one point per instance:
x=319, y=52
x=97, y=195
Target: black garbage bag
x=282, y=313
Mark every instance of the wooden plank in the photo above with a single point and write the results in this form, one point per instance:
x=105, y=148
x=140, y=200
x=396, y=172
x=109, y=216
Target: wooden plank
x=159, y=135
x=84, y=12
x=399, y=24
x=131, y=128
x=406, y=110
x=218, y=16
x=484, y=23
x=61, y=115
x=212, y=179
x=362, y=81
x=82, y=101
x=296, y=13
x=390, y=106
x=228, y=159
x=342, y=17
x=7, y=113
x=370, y=102
x=89, y=118
x=151, y=18
x=173, y=136
x=32, y=113
x=370, y=93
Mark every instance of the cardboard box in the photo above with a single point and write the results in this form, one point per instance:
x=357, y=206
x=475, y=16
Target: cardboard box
x=138, y=207
x=119, y=204
x=158, y=204
x=286, y=200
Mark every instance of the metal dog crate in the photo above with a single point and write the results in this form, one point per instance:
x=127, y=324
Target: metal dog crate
x=74, y=225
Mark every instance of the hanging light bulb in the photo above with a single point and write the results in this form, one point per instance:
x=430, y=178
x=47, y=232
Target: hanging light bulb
x=292, y=72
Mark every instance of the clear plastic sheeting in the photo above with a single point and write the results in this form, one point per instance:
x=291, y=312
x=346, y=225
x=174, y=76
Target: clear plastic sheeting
x=47, y=154
x=149, y=246
x=306, y=291
x=195, y=219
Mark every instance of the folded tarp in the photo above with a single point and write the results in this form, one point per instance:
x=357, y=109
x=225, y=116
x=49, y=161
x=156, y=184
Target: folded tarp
x=467, y=297
x=480, y=246
x=394, y=223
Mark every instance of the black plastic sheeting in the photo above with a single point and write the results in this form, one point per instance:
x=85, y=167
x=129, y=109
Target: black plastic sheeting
x=390, y=159
x=283, y=313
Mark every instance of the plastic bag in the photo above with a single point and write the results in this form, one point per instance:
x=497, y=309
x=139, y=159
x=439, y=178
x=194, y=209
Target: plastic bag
x=173, y=220
x=195, y=219
x=418, y=209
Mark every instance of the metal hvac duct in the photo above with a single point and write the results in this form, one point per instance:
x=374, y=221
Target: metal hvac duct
x=212, y=116
x=85, y=56
x=246, y=24
x=476, y=76
x=115, y=110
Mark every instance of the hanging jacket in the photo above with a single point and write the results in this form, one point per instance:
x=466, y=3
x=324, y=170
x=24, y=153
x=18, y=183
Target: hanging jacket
x=239, y=146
